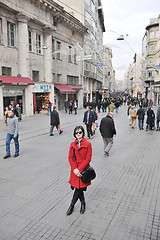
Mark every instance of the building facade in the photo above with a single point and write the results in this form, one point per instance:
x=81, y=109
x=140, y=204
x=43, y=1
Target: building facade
x=38, y=40
x=90, y=13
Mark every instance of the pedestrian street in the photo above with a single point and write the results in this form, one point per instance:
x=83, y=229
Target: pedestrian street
x=122, y=203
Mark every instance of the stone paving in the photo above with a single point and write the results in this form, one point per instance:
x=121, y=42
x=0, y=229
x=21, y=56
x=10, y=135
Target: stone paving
x=123, y=202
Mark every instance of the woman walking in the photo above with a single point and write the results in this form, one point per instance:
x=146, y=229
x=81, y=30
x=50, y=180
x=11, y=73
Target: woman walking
x=80, y=154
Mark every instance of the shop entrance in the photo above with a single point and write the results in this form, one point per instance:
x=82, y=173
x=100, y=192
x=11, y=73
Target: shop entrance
x=13, y=100
x=40, y=102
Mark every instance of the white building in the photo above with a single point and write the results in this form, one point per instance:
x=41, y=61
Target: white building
x=38, y=40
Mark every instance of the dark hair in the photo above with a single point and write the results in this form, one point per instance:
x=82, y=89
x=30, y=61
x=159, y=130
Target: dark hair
x=54, y=107
x=76, y=128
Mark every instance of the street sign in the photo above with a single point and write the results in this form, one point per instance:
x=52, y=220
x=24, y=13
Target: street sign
x=85, y=57
x=156, y=67
x=99, y=64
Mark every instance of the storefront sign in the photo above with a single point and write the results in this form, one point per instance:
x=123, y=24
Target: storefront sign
x=12, y=92
x=42, y=88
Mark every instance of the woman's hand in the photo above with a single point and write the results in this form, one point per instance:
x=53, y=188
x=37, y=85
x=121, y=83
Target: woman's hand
x=77, y=172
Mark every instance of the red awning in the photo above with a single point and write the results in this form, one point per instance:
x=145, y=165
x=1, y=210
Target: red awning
x=11, y=80
x=76, y=87
x=64, y=88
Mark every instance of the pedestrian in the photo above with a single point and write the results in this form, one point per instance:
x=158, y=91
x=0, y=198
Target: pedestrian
x=55, y=121
x=107, y=130
x=89, y=121
x=158, y=117
x=150, y=118
x=128, y=113
x=141, y=114
x=49, y=107
x=111, y=107
x=70, y=107
x=80, y=154
x=75, y=107
x=65, y=105
x=18, y=110
x=12, y=133
x=133, y=114
x=6, y=115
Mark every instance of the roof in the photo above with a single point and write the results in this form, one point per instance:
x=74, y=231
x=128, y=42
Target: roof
x=12, y=80
x=64, y=88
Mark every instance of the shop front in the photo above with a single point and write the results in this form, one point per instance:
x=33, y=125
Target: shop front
x=42, y=94
x=14, y=90
x=64, y=92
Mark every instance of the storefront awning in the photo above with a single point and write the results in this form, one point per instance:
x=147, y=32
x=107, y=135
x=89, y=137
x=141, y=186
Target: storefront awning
x=64, y=88
x=76, y=87
x=12, y=80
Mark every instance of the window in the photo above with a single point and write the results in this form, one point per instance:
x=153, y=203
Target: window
x=35, y=76
x=151, y=48
x=30, y=41
x=11, y=34
x=58, y=78
x=53, y=77
x=53, y=48
x=58, y=49
x=150, y=61
x=75, y=55
x=1, y=30
x=149, y=74
x=151, y=34
x=157, y=33
x=6, y=71
x=72, y=80
x=70, y=56
x=38, y=44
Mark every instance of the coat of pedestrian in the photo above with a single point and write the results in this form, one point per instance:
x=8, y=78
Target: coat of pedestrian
x=150, y=119
x=12, y=133
x=158, y=117
x=88, y=120
x=107, y=130
x=75, y=106
x=70, y=107
x=133, y=114
x=80, y=154
x=66, y=105
x=55, y=122
x=141, y=114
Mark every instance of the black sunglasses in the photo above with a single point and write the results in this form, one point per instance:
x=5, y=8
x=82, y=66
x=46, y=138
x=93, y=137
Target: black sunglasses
x=80, y=132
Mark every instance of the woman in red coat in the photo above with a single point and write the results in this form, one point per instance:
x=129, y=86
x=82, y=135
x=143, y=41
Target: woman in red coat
x=80, y=154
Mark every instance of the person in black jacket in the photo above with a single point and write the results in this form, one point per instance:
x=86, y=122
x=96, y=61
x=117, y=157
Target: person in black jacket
x=88, y=120
x=107, y=130
x=150, y=118
x=55, y=121
x=141, y=114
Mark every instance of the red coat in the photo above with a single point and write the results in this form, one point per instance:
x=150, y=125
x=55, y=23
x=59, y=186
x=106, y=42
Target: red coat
x=83, y=158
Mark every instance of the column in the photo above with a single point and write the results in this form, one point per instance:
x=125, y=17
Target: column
x=23, y=47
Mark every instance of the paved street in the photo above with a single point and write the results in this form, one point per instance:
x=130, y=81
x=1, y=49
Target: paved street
x=123, y=202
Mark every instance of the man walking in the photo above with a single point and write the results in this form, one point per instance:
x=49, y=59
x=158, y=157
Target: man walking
x=89, y=120
x=55, y=121
x=158, y=117
x=12, y=132
x=107, y=130
x=141, y=114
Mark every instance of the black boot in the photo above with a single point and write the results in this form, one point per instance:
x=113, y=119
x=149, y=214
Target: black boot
x=83, y=204
x=73, y=202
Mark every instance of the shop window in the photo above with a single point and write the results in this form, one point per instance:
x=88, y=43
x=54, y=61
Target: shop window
x=7, y=71
x=1, y=31
x=30, y=39
x=38, y=43
x=35, y=76
x=58, y=50
x=11, y=34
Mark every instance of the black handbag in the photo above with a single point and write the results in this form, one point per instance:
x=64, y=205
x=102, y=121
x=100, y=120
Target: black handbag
x=87, y=174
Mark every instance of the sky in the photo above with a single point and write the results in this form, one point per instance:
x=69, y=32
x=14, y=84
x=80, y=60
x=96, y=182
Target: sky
x=124, y=17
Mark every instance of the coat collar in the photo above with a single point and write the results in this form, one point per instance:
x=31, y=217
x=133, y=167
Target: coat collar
x=83, y=143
